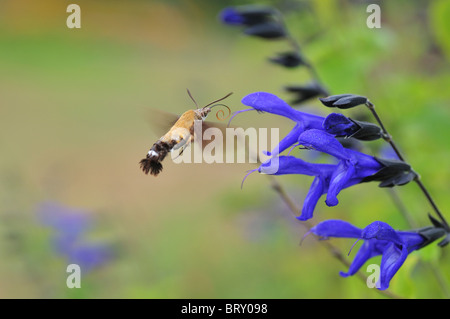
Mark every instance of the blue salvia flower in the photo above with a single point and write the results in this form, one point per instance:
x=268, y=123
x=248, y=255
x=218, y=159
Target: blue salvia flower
x=270, y=103
x=310, y=130
x=90, y=255
x=70, y=227
x=352, y=168
x=335, y=124
x=379, y=239
x=69, y=224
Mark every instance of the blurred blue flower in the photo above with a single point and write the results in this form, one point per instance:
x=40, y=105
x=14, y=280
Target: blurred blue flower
x=231, y=16
x=69, y=228
x=259, y=21
x=68, y=223
x=90, y=255
x=379, y=239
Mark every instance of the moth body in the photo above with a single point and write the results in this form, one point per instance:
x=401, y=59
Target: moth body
x=180, y=135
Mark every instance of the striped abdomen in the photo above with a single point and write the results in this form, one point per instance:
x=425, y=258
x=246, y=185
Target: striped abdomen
x=179, y=135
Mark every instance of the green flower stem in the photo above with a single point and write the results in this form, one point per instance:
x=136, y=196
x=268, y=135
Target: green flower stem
x=388, y=138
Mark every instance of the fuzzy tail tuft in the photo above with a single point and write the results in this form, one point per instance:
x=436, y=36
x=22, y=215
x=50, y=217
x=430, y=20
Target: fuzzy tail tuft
x=151, y=165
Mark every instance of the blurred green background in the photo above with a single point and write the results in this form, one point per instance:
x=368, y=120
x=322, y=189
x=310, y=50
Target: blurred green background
x=74, y=124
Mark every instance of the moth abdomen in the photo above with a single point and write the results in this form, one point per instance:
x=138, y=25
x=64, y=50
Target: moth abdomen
x=152, y=163
x=149, y=165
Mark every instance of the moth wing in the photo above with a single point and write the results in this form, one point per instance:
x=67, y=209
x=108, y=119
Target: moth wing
x=161, y=121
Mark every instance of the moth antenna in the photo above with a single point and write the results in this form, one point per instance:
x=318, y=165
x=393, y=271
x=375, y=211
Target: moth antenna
x=190, y=95
x=218, y=100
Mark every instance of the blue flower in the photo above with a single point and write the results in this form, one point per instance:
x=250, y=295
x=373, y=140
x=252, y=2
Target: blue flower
x=70, y=226
x=270, y=103
x=90, y=255
x=231, y=16
x=310, y=130
x=247, y=15
x=352, y=168
x=379, y=239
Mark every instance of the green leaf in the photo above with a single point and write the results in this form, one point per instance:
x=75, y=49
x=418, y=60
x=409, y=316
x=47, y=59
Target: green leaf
x=440, y=23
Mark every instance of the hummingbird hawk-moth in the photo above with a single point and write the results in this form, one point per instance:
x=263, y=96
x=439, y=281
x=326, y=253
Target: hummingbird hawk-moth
x=179, y=136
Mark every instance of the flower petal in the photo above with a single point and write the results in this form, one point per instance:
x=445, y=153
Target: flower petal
x=289, y=140
x=381, y=231
x=294, y=165
x=393, y=258
x=323, y=142
x=366, y=252
x=336, y=228
x=270, y=103
x=366, y=165
x=412, y=240
x=266, y=30
x=316, y=190
x=267, y=102
x=339, y=180
x=231, y=16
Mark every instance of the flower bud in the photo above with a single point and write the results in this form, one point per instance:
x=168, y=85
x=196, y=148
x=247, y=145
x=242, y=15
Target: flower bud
x=344, y=101
x=288, y=59
x=394, y=173
x=433, y=233
x=266, y=30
